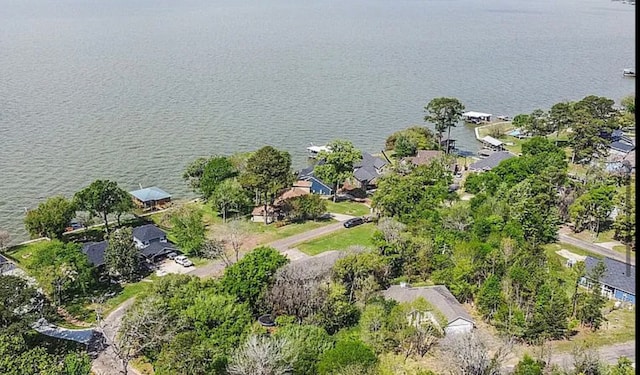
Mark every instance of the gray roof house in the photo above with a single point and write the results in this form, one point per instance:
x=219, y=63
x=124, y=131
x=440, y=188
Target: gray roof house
x=490, y=161
x=458, y=319
x=367, y=170
x=618, y=282
x=152, y=241
x=149, y=239
x=95, y=252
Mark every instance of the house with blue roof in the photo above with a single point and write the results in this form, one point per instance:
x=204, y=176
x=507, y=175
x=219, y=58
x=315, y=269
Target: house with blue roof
x=317, y=185
x=618, y=281
x=151, y=198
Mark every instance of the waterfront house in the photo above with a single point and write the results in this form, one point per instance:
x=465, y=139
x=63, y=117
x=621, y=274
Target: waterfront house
x=152, y=242
x=492, y=143
x=317, y=185
x=368, y=170
x=151, y=198
x=458, y=319
x=476, y=117
x=618, y=281
x=490, y=161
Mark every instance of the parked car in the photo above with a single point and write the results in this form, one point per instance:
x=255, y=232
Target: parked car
x=353, y=222
x=172, y=255
x=183, y=261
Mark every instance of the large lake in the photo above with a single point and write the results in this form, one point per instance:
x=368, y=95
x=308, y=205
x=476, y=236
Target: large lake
x=132, y=90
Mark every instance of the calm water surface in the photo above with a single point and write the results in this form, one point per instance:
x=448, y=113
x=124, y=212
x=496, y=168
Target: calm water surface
x=132, y=90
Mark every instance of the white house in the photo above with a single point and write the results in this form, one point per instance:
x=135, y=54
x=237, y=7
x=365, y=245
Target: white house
x=458, y=319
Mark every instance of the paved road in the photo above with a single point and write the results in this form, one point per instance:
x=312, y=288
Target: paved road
x=286, y=243
x=594, y=248
x=107, y=363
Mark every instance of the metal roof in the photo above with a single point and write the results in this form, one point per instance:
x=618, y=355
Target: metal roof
x=492, y=141
x=491, y=161
x=618, y=275
x=148, y=232
x=476, y=114
x=438, y=296
x=150, y=194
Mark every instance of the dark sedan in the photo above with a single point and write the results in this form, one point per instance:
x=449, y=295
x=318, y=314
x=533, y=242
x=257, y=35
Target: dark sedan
x=353, y=222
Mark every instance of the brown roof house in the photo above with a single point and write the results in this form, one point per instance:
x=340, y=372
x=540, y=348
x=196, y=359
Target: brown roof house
x=274, y=213
x=458, y=320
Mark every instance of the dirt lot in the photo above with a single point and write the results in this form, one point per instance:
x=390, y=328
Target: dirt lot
x=168, y=266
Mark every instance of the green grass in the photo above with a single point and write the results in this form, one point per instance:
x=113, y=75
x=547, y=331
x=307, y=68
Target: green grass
x=620, y=327
x=23, y=254
x=271, y=232
x=348, y=208
x=340, y=240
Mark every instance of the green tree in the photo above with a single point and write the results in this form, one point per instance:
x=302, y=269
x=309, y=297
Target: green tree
x=598, y=107
x=346, y=353
x=308, y=343
x=62, y=270
x=310, y=206
x=522, y=121
x=101, y=198
x=490, y=297
x=77, y=364
x=538, y=123
x=188, y=229
x=229, y=197
x=529, y=366
x=420, y=136
x=268, y=171
x=586, y=137
x=251, y=276
x=561, y=117
x=20, y=305
x=624, y=367
x=405, y=146
x=625, y=222
x=590, y=305
x=352, y=271
x=51, y=218
x=444, y=113
x=591, y=209
x=194, y=171
x=121, y=257
x=217, y=170
x=338, y=163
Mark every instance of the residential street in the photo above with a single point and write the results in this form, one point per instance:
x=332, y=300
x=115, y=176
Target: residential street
x=594, y=248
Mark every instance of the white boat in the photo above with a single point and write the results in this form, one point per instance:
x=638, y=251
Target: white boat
x=314, y=151
x=628, y=73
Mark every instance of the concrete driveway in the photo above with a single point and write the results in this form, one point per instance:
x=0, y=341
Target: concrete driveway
x=168, y=266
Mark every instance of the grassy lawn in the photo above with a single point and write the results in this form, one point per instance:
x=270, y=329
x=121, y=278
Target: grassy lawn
x=619, y=327
x=588, y=236
x=340, y=240
x=348, y=208
x=269, y=233
x=21, y=254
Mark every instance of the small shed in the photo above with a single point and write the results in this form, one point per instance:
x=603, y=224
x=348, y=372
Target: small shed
x=476, y=117
x=151, y=198
x=258, y=214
